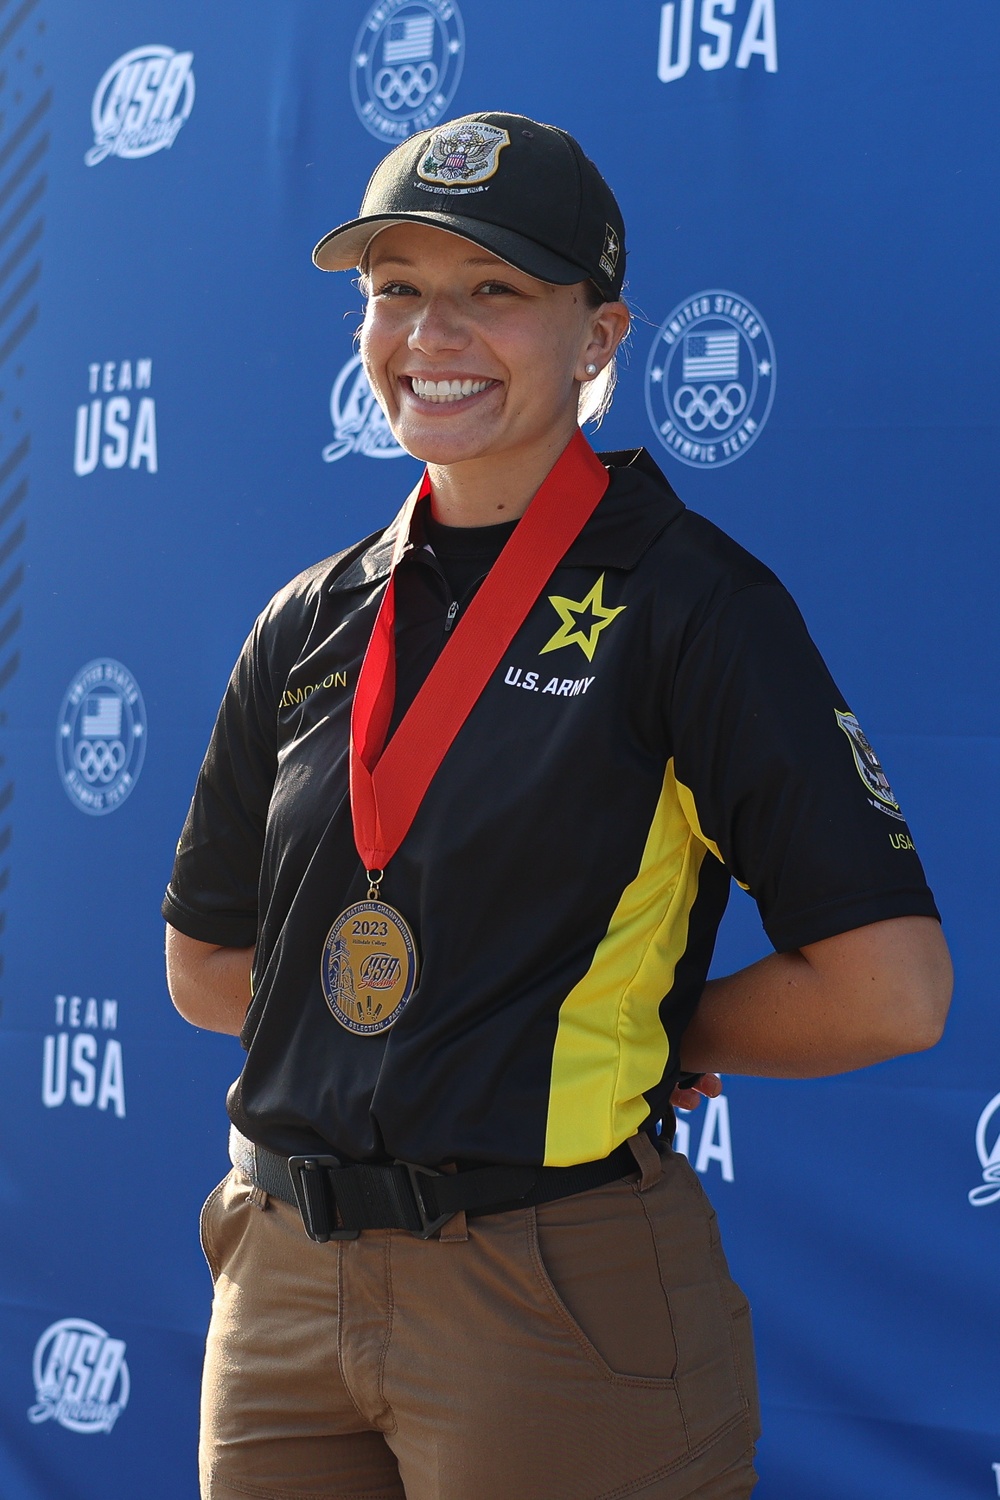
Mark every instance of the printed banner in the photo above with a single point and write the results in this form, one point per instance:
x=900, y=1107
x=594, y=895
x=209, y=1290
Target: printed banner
x=185, y=424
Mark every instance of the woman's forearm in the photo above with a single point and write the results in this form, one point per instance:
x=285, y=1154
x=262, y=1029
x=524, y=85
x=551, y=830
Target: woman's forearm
x=210, y=986
x=847, y=1002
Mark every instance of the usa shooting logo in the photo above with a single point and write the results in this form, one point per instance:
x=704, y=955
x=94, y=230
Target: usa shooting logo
x=359, y=423
x=989, y=1156
x=406, y=64
x=81, y=1378
x=710, y=379
x=141, y=103
x=101, y=738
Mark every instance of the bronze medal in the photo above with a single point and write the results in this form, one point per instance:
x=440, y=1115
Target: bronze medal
x=369, y=967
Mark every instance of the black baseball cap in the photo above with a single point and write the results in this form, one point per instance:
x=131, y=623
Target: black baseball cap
x=522, y=190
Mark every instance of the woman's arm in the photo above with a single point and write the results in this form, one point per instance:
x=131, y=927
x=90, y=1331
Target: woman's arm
x=210, y=986
x=847, y=1002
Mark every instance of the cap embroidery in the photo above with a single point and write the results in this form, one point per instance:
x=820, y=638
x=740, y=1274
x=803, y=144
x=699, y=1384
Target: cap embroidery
x=610, y=253
x=466, y=153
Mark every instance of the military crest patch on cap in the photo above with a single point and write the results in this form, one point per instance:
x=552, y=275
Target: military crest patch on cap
x=609, y=255
x=463, y=154
x=868, y=764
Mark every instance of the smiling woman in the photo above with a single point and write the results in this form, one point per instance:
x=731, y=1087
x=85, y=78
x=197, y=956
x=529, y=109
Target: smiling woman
x=480, y=921
x=478, y=365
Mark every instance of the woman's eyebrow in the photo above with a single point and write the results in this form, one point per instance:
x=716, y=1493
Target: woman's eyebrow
x=473, y=260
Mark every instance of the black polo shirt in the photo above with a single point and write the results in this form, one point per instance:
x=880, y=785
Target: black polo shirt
x=661, y=722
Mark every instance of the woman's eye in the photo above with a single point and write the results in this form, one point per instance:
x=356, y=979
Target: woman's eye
x=496, y=288
x=396, y=289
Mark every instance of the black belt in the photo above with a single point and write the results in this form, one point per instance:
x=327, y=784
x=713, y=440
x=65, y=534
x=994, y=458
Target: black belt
x=338, y=1200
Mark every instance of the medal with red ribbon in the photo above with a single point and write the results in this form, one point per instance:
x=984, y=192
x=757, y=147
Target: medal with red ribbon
x=370, y=960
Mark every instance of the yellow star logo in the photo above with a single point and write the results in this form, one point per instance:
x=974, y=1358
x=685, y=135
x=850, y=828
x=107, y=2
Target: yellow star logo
x=582, y=622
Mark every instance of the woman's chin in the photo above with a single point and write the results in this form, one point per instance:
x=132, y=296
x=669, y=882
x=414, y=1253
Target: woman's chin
x=440, y=448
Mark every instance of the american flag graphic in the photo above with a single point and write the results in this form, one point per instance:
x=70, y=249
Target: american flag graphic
x=102, y=717
x=711, y=356
x=411, y=40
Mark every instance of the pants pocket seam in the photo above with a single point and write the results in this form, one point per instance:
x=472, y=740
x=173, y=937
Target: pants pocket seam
x=664, y=1472
x=569, y=1323
x=204, y=1233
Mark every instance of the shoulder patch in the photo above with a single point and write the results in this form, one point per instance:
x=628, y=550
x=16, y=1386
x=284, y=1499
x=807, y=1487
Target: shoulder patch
x=868, y=764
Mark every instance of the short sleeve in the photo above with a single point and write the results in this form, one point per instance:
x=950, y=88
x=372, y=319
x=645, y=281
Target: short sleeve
x=212, y=895
x=780, y=781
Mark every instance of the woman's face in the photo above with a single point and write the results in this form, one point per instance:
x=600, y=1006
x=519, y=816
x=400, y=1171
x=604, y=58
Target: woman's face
x=470, y=358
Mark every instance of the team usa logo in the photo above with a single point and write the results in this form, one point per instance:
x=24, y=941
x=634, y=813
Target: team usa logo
x=81, y=1378
x=988, y=1147
x=405, y=66
x=710, y=379
x=460, y=156
x=101, y=738
x=359, y=423
x=141, y=103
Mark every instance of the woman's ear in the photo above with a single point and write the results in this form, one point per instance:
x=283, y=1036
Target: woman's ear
x=608, y=326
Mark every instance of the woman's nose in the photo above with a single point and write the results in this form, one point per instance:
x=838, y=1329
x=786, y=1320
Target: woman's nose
x=437, y=327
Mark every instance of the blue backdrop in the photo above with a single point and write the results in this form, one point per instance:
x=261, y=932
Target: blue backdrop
x=811, y=200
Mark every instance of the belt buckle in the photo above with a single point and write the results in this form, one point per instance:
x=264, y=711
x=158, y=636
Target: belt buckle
x=316, y=1198
x=428, y=1226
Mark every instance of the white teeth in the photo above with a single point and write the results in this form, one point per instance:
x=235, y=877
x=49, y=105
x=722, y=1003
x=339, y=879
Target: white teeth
x=446, y=390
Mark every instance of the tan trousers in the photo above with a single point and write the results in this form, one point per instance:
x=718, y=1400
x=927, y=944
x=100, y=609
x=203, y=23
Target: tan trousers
x=590, y=1349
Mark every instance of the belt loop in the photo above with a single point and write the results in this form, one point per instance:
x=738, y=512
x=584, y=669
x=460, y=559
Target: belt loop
x=648, y=1159
x=457, y=1227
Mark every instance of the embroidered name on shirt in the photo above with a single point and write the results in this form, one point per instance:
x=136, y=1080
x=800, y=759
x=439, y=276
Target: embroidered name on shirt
x=291, y=697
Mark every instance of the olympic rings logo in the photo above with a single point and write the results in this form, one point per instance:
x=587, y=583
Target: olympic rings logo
x=97, y=760
x=709, y=405
x=409, y=86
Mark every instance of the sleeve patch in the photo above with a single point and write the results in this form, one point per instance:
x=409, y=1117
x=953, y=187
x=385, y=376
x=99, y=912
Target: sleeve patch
x=869, y=766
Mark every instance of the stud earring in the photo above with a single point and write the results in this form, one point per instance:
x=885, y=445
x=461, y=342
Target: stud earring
x=591, y=369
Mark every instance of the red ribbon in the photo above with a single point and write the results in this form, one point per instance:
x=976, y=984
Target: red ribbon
x=388, y=785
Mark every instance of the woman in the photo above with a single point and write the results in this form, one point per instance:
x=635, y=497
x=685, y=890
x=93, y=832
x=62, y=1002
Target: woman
x=470, y=812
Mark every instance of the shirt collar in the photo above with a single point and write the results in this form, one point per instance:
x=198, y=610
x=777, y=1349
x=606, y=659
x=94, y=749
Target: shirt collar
x=637, y=506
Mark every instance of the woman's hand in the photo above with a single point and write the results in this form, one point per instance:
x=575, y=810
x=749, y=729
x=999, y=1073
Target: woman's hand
x=707, y=1086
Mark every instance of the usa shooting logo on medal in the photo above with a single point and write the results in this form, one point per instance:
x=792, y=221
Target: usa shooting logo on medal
x=359, y=423
x=369, y=968
x=710, y=379
x=405, y=66
x=101, y=737
x=141, y=103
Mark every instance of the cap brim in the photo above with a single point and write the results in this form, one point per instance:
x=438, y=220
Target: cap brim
x=343, y=248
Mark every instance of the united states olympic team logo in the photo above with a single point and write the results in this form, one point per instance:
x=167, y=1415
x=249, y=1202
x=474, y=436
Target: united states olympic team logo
x=406, y=64
x=988, y=1147
x=359, y=423
x=710, y=379
x=141, y=103
x=101, y=738
x=81, y=1378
